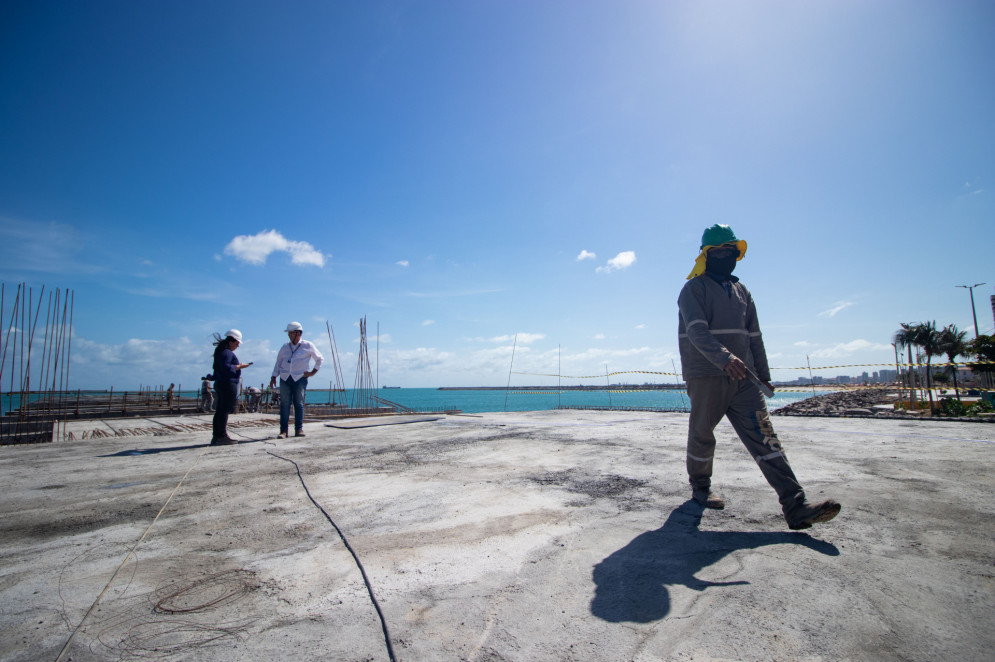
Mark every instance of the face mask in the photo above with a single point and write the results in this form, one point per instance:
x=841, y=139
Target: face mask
x=720, y=266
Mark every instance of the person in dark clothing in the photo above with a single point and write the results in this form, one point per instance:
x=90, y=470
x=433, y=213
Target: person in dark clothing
x=723, y=361
x=206, y=397
x=227, y=372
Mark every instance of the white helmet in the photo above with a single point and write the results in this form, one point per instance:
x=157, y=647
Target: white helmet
x=295, y=326
x=234, y=333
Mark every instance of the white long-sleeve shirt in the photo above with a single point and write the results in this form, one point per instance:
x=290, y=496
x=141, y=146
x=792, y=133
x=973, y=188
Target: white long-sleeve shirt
x=294, y=360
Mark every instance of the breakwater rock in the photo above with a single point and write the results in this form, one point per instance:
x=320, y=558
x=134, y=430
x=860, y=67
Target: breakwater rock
x=846, y=403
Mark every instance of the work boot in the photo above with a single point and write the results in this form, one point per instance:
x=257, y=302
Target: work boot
x=808, y=514
x=708, y=499
x=299, y=433
x=282, y=435
x=223, y=441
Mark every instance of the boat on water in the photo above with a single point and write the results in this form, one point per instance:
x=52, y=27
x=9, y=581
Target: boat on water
x=390, y=387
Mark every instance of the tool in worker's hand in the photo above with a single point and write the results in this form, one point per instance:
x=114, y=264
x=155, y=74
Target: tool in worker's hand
x=764, y=388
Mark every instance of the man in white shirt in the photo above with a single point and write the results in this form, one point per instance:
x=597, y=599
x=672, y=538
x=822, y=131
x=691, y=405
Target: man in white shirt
x=292, y=367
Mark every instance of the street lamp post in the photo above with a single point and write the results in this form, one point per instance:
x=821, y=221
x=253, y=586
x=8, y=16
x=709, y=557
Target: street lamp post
x=970, y=288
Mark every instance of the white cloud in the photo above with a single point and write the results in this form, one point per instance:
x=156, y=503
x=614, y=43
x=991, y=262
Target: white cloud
x=842, y=305
x=160, y=361
x=623, y=260
x=419, y=361
x=847, y=348
x=584, y=255
x=523, y=338
x=801, y=343
x=640, y=326
x=599, y=336
x=595, y=354
x=402, y=263
x=428, y=322
x=254, y=249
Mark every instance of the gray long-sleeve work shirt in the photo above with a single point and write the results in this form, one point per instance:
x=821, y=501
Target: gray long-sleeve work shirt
x=716, y=323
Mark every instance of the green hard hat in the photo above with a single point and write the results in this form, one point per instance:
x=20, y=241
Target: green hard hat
x=718, y=235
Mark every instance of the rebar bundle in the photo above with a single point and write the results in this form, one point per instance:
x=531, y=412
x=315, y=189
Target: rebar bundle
x=339, y=387
x=364, y=389
x=38, y=365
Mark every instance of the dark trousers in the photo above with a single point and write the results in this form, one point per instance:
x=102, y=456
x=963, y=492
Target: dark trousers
x=227, y=398
x=743, y=404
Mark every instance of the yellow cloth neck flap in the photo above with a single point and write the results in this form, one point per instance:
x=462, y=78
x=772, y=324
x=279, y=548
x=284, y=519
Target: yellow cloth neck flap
x=699, y=262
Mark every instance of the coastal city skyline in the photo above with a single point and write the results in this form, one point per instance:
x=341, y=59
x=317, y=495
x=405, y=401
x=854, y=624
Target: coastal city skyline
x=509, y=193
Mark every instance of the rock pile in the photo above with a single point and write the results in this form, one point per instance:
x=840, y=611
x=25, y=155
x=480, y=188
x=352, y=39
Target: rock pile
x=845, y=403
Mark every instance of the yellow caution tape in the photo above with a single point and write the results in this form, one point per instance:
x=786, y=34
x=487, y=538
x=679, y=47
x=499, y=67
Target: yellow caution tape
x=823, y=367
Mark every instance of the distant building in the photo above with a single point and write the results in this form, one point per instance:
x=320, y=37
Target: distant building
x=885, y=376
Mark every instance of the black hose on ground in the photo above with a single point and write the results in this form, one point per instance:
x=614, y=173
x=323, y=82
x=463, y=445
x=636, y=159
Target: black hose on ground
x=359, y=564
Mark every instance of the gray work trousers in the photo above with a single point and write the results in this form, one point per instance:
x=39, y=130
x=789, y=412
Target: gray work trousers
x=744, y=405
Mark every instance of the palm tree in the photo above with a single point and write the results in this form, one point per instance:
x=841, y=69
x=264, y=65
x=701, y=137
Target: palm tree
x=905, y=339
x=927, y=338
x=953, y=344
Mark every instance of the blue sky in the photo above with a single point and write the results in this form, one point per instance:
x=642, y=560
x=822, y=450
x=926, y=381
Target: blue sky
x=462, y=172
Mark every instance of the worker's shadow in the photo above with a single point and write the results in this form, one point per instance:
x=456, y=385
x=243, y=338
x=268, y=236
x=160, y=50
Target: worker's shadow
x=631, y=584
x=172, y=449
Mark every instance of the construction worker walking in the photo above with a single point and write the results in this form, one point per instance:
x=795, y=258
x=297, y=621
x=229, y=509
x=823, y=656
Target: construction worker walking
x=723, y=361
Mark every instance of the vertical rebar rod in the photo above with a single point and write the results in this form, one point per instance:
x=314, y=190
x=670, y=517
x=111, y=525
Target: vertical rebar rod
x=62, y=346
x=43, y=373
x=69, y=344
x=6, y=346
x=339, y=378
x=510, y=367
x=609, y=386
x=3, y=289
x=336, y=364
x=678, y=381
x=53, y=370
x=54, y=342
x=31, y=337
x=20, y=378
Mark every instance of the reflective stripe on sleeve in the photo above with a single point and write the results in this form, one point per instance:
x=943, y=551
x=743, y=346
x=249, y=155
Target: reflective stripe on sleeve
x=714, y=332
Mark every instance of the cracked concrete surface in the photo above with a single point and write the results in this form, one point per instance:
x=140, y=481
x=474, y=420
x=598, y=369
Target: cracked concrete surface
x=498, y=537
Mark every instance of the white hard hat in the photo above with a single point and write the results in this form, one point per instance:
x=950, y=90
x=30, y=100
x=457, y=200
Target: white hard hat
x=234, y=333
x=295, y=326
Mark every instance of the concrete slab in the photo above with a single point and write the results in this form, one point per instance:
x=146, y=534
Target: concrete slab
x=498, y=537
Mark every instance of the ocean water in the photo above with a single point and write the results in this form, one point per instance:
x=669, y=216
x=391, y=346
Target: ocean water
x=475, y=401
